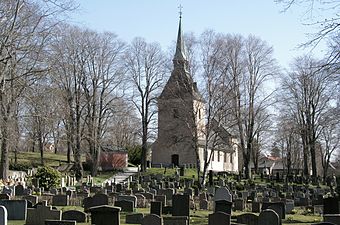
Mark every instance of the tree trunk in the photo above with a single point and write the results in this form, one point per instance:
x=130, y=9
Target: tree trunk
x=41, y=149
x=4, y=149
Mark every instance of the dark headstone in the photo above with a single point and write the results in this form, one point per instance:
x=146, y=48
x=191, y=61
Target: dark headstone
x=135, y=218
x=60, y=222
x=331, y=205
x=223, y=206
x=332, y=218
x=19, y=190
x=248, y=218
x=76, y=215
x=156, y=208
x=125, y=205
x=278, y=207
x=105, y=215
x=60, y=200
x=152, y=219
x=269, y=217
x=167, y=209
x=180, y=205
x=176, y=220
x=16, y=209
x=219, y=218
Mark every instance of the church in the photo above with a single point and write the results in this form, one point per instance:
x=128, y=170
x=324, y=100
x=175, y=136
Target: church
x=182, y=124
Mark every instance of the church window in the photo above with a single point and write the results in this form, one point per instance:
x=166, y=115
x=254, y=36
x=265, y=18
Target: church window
x=231, y=157
x=213, y=155
x=175, y=113
x=225, y=157
x=199, y=114
x=218, y=156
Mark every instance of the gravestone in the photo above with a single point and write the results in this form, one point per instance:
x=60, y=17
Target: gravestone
x=37, y=216
x=4, y=196
x=222, y=193
x=3, y=215
x=278, y=207
x=128, y=198
x=125, y=205
x=219, y=218
x=76, y=215
x=19, y=190
x=331, y=205
x=141, y=201
x=176, y=220
x=223, y=206
x=160, y=198
x=332, y=218
x=60, y=200
x=323, y=223
x=180, y=205
x=105, y=215
x=239, y=204
x=96, y=200
x=204, y=204
x=156, y=208
x=289, y=206
x=248, y=218
x=135, y=218
x=16, y=209
x=167, y=209
x=31, y=198
x=152, y=219
x=256, y=207
x=269, y=217
x=60, y=222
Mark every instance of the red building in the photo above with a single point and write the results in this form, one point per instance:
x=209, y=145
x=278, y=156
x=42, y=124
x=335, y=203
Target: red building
x=113, y=158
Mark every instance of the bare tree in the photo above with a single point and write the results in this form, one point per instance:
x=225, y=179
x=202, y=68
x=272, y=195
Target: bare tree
x=25, y=28
x=308, y=94
x=102, y=79
x=146, y=69
x=324, y=15
x=250, y=99
x=329, y=139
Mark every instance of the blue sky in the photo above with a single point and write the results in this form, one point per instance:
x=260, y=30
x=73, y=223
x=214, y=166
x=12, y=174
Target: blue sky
x=157, y=21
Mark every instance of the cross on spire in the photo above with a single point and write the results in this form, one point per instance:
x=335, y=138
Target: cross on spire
x=180, y=11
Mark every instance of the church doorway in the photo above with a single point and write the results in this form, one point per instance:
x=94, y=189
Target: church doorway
x=175, y=159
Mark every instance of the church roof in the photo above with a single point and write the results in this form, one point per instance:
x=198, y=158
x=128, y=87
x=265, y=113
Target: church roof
x=180, y=51
x=180, y=83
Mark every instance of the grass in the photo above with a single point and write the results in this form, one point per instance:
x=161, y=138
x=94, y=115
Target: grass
x=33, y=158
x=188, y=173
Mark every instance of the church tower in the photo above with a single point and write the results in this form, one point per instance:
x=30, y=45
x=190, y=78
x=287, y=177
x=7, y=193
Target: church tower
x=181, y=114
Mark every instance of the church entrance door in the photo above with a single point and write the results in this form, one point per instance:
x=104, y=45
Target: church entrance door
x=175, y=159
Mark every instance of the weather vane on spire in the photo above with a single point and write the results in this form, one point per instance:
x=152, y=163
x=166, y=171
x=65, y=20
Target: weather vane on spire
x=180, y=11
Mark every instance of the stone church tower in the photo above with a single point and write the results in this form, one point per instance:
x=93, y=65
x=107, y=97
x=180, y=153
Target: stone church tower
x=181, y=114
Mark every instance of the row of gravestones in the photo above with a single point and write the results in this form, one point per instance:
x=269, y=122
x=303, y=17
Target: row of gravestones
x=18, y=210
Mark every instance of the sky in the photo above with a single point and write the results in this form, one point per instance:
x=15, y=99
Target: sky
x=157, y=21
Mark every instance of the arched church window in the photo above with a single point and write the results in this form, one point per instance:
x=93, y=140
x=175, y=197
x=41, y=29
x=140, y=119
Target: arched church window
x=231, y=157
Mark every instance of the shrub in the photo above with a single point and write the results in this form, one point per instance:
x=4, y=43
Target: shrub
x=135, y=154
x=48, y=177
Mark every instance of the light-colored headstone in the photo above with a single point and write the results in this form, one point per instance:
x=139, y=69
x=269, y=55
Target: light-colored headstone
x=222, y=193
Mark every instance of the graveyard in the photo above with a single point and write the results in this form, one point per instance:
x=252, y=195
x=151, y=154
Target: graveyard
x=169, y=196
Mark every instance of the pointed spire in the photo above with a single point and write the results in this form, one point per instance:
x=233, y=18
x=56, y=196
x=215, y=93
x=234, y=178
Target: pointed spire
x=180, y=52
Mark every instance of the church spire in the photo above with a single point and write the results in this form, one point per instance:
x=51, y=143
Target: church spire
x=180, y=52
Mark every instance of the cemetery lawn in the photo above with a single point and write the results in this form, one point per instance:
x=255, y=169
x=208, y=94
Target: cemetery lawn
x=32, y=159
x=188, y=173
x=198, y=217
